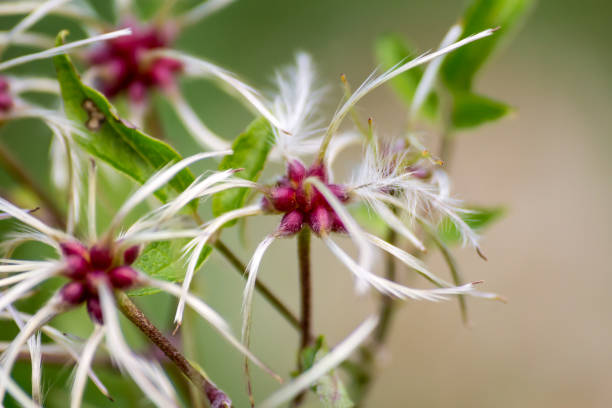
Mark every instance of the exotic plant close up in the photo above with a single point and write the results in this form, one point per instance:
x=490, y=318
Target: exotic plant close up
x=111, y=163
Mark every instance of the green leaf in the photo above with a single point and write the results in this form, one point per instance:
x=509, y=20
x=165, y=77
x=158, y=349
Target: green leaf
x=105, y=9
x=251, y=150
x=369, y=219
x=390, y=50
x=111, y=139
x=479, y=219
x=329, y=388
x=163, y=260
x=470, y=110
x=460, y=66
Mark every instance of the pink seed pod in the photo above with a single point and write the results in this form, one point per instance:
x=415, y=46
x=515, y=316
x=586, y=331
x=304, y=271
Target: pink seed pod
x=74, y=248
x=291, y=223
x=131, y=254
x=296, y=171
x=73, y=293
x=339, y=191
x=95, y=309
x=283, y=198
x=320, y=220
x=100, y=257
x=336, y=223
x=318, y=170
x=95, y=278
x=76, y=267
x=123, y=277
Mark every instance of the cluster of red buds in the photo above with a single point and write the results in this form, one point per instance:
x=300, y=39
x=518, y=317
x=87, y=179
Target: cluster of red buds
x=302, y=203
x=6, y=100
x=89, y=267
x=124, y=65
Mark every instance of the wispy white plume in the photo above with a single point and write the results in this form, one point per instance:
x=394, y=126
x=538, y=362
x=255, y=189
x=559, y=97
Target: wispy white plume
x=36, y=15
x=84, y=367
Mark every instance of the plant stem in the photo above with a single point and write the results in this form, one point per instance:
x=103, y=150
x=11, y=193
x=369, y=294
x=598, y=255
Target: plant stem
x=303, y=242
x=138, y=318
x=20, y=174
x=262, y=288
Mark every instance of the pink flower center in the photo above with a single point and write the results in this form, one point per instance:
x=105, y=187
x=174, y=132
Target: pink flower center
x=87, y=268
x=125, y=66
x=6, y=100
x=302, y=203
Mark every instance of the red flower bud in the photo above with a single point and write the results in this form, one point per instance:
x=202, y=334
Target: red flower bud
x=296, y=171
x=74, y=248
x=73, y=293
x=76, y=267
x=100, y=257
x=131, y=254
x=318, y=170
x=320, y=220
x=123, y=277
x=283, y=198
x=95, y=309
x=339, y=191
x=291, y=223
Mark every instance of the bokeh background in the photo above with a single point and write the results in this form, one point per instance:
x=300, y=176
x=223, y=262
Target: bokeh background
x=551, y=345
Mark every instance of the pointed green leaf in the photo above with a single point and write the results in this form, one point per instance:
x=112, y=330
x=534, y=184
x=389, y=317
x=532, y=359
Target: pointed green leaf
x=479, y=219
x=111, y=139
x=163, y=260
x=251, y=150
x=471, y=110
x=390, y=50
x=460, y=66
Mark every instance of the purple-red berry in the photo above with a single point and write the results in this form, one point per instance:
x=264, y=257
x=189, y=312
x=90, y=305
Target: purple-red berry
x=94, y=308
x=74, y=248
x=73, y=293
x=100, y=257
x=291, y=223
x=76, y=267
x=123, y=277
x=320, y=220
x=296, y=171
x=131, y=254
x=283, y=198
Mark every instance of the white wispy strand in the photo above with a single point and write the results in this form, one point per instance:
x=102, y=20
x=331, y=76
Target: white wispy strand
x=149, y=376
x=24, y=6
x=208, y=314
x=80, y=378
x=429, y=76
x=295, y=107
x=396, y=224
x=202, y=11
x=15, y=266
x=391, y=288
x=195, y=247
x=408, y=259
x=330, y=361
x=374, y=82
x=17, y=393
x=34, y=84
x=14, y=293
x=249, y=289
x=200, y=132
x=31, y=221
x=36, y=15
x=366, y=253
x=28, y=39
x=46, y=313
x=34, y=347
x=155, y=182
x=63, y=48
x=196, y=66
x=21, y=277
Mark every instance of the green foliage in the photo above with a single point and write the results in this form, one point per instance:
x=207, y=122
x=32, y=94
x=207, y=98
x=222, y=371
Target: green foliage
x=164, y=260
x=460, y=67
x=251, y=150
x=479, y=219
x=470, y=110
x=390, y=50
x=111, y=139
x=369, y=219
x=329, y=388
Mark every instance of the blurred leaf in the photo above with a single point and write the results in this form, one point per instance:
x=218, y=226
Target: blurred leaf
x=105, y=9
x=251, y=150
x=479, y=219
x=470, y=110
x=164, y=260
x=110, y=138
x=369, y=219
x=329, y=388
x=391, y=50
x=460, y=66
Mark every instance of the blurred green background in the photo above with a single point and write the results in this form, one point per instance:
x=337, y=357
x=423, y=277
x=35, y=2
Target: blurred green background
x=551, y=344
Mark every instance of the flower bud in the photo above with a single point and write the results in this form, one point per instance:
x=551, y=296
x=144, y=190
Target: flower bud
x=336, y=223
x=339, y=191
x=73, y=293
x=320, y=220
x=95, y=278
x=95, y=309
x=100, y=257
x=76, y=267
x=123, y=277
x=6, y=102
x=291, y=223
x=296, y=171
x=131, y=254
x=318, y=170
x=74, y=248
x=283, y=198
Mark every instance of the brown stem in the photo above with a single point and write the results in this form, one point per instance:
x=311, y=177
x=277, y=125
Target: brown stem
x=20, y=174
x=306, y=299
x=262, y=288
x=138, y=318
